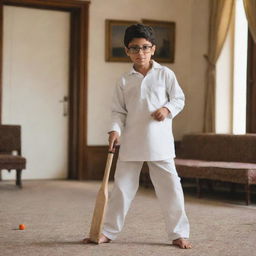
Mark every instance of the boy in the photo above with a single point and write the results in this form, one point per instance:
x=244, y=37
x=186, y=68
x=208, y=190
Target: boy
x=145, y=101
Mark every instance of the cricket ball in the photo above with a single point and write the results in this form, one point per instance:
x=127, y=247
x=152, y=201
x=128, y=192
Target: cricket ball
x=22, y=227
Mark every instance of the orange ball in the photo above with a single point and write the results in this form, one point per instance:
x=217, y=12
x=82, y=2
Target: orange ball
x=22, y=227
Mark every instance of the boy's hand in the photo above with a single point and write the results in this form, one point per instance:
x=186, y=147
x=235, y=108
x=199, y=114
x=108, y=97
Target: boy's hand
x=160, y=114
x=113, y=140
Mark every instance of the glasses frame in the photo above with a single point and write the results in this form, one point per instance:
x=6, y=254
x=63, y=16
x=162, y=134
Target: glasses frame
x=136, y=49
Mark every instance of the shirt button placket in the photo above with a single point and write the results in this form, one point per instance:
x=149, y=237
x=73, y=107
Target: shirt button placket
x=143, y=88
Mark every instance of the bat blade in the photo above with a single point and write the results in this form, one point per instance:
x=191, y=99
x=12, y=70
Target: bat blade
x=101, y=204
x=98, y=215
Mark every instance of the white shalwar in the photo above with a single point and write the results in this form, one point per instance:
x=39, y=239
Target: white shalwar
x=144, y=139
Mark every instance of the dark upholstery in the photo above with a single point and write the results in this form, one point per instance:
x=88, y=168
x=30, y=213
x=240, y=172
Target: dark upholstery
x=10, y=139
x=222, y=171
x=222, y=157
x=10, y=150
x=219, y=147
x=10, y=162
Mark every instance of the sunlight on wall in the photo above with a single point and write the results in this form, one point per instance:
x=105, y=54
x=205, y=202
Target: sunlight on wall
x=231, y=71
x=240, y=69
x=224, y=82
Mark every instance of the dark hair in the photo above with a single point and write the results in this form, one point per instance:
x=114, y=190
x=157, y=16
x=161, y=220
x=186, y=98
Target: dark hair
x=139, y=31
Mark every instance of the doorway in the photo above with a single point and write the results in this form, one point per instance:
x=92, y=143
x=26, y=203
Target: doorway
x=77, y=78
x=35, y=86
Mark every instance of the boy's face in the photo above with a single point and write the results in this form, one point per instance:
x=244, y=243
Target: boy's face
x=140, y=51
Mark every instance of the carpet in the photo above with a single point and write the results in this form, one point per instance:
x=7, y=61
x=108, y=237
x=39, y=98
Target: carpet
x=57, y=215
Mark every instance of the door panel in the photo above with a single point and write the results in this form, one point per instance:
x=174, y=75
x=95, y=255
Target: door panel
x=35, y=81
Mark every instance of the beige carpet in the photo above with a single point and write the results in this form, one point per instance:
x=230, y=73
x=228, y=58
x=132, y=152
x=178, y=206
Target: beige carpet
x=57, y=215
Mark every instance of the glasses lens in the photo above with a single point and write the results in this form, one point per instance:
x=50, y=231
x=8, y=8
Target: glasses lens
x=146, y=48
x=134, y=49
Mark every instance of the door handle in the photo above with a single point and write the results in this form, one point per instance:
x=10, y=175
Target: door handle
x=65, y=105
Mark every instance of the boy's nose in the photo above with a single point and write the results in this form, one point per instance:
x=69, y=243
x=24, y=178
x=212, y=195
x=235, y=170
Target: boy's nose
x=140, y=51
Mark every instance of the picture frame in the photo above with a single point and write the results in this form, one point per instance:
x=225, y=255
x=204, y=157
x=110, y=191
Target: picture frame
x=165, y=40
x=115, y=29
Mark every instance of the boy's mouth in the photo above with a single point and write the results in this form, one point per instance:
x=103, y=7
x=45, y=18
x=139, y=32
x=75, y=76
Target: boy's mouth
x=140, y=59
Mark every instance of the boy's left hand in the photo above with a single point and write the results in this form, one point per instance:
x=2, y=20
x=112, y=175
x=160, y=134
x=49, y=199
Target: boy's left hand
x=160, y=114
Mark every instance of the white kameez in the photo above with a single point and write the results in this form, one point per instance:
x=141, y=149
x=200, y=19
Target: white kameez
x=135, y=98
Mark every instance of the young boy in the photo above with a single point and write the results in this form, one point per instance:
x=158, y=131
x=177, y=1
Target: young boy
x=145, y=101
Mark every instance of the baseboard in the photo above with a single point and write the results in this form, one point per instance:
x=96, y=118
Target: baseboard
x=95, y=161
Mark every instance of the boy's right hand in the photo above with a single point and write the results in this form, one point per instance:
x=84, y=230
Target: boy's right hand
x=113, y=140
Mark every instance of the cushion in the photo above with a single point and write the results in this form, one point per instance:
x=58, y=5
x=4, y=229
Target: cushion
x=236, y=172
x=10, y=162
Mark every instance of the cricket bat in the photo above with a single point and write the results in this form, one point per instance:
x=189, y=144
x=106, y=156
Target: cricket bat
x=101, y=204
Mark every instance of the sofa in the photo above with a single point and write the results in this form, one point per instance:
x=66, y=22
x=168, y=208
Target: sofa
x=219, y=157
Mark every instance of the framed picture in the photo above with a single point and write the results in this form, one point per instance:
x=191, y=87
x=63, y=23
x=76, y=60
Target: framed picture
x=165, y=40
x=115, y=30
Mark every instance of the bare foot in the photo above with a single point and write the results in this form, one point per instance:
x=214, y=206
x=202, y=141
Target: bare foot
x=103, y=239
x=182, y=243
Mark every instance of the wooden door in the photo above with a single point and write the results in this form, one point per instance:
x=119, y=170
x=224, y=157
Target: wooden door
x=35, y=87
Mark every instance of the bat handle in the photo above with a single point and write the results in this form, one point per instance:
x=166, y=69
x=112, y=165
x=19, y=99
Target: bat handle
x=107, y=168
x=113, y=150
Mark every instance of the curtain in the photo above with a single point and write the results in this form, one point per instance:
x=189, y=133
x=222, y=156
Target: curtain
x=220, y=16
x=250, y=10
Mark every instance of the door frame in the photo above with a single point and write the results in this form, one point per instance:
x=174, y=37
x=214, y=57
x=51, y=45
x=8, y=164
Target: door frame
x=251, y=86
x=78, y=65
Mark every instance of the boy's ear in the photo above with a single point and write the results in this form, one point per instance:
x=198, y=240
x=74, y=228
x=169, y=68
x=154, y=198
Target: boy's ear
x=153, y=49
x=126, y=51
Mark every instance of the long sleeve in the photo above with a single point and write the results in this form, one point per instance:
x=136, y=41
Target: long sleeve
x=118, y=111
x=176, y=96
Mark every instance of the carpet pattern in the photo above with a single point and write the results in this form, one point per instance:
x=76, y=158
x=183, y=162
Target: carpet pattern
x=57, y=215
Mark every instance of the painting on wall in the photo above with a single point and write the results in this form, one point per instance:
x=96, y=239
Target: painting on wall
x=115, y=30
x=165, y=40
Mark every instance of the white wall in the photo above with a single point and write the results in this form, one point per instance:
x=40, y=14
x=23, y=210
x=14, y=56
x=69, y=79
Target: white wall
x=191, y=17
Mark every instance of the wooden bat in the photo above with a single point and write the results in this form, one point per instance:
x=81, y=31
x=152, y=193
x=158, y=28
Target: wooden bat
x=101, y=204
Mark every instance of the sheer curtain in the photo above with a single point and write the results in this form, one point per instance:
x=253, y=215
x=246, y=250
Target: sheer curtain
x=220, y=16
x=250, y=10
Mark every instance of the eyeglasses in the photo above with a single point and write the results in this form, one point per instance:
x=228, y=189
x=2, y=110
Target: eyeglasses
x=136, y=49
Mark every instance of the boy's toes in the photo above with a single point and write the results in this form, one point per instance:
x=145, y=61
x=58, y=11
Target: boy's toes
x=87, y=240
x=182, y=243
x=104, y=239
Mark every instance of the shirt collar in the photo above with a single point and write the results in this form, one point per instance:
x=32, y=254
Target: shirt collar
x=154, y=66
